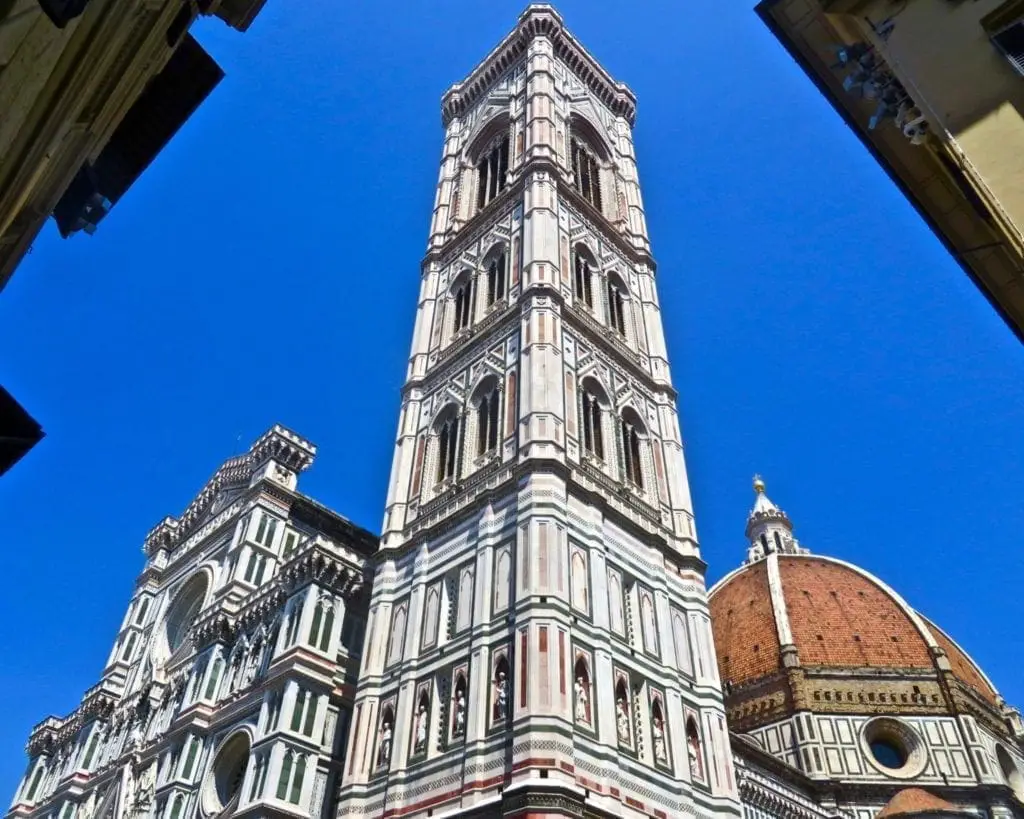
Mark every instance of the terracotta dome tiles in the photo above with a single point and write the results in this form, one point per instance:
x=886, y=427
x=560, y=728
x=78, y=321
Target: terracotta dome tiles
x=962, y=667
x=840, y=618
x=914, y=802
x=746, y=638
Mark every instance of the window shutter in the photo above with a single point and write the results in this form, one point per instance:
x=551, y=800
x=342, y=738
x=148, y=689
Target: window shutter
x=1011, y=42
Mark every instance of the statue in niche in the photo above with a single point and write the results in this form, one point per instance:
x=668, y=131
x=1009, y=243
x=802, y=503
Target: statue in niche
x=582, y=701
x=460, y=714
x=622, y=719
x=658, y=730
x=501, y=696
x=384, y=755
x=142, y=799
x=421, y=728
x=693, y=749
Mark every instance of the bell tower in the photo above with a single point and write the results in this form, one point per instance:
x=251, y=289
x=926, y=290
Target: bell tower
x=538, y=636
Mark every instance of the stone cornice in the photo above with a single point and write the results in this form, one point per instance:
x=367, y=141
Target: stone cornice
x=277, y=443
x=318, y=560
x=539, y=20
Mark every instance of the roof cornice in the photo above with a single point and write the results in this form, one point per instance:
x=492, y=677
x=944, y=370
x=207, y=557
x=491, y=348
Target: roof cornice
x=539, y=20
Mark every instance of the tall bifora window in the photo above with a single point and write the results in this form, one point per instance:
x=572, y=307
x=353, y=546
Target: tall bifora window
x=616, y=313
x=487, y=421
x=582, y=279
x=631, y=464
x=586, y=176
x=496, y=278
x=491, y=172
x=448, y=435
x=462, y=297
x=593, y=437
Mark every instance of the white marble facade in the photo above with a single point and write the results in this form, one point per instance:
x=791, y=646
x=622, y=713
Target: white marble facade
x=538, y=615
x=224, y=691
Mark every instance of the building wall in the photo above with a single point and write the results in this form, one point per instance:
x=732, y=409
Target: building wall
x=943, y=55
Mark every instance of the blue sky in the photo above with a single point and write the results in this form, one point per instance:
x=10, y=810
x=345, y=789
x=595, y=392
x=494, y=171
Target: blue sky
x=264, y=269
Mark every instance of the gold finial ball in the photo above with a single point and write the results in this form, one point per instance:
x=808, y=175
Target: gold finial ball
x=758, y=484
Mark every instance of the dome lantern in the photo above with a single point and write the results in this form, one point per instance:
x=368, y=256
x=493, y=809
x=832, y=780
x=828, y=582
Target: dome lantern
x=769, y=529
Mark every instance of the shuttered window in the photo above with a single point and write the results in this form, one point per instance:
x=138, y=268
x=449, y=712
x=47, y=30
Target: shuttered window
x=1011, y=42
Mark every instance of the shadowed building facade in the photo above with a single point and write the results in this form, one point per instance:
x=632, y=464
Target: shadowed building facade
x=90, y=92
x=935, y=91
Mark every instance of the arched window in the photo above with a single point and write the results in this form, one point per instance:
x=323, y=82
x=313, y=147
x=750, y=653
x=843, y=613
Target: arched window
x=778, y=541
x=630, y=431
x=582, y=279
x=397, y=640
x=449, y=432
x=293, y=772
x=496, y=278
x=492, y=171
x=586, y=172
x=323, y=624
x=593, y=403
x=488, y=419
x=502, y=579
x=34, y=786
x=616, y=305
x=213, y=683
x=431, y=612
x=764, y=541
x=462, y=298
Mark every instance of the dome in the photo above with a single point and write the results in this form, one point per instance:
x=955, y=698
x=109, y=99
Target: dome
x=835, y=623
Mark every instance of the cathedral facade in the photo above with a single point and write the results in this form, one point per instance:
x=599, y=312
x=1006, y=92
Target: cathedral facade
x=531, y=634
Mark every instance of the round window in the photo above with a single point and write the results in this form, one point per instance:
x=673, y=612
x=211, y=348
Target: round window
x=225, y=779
x=186, y=605
x=888, y=753
x=893, y=747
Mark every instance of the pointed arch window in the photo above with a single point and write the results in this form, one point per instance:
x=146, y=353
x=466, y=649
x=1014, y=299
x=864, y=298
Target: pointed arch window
x=631, y=464
x=34, y=786
x=190, y=757
x=462, y=297
x=396, y=643
x=496, y=278
x=90, y=750
x=213, y=683
x=323, y=624
x=593, y=436
x=616, y=306
x=492, y=171
x=293, y=772
x=586, y=172
x=582, y=280
x=488, y=420
x=304, y=712
x=448, y=436
x=256, y=568
x=176, y=802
